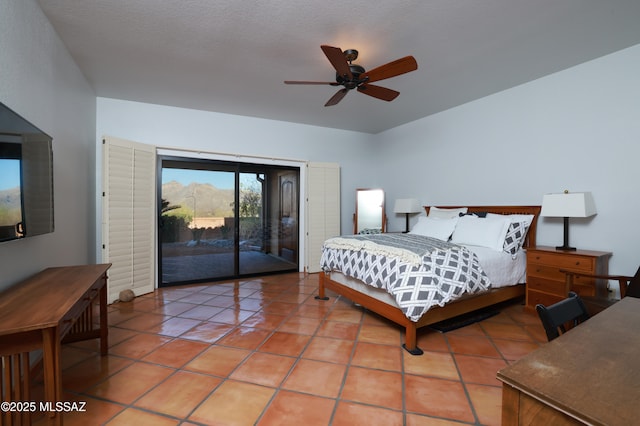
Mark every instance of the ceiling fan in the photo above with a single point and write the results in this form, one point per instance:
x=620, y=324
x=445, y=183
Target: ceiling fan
x=353, y=76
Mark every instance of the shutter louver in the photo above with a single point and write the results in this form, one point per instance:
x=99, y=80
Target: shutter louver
x=323, y=209
x=129, y=216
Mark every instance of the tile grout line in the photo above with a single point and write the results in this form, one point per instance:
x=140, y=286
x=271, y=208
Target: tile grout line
x=303, y=285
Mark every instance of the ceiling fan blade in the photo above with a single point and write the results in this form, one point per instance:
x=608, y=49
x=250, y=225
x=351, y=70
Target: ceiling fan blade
x=378, y=92
x=338, y=60
x=337, y=97
x=325, y=83
x=392, y=69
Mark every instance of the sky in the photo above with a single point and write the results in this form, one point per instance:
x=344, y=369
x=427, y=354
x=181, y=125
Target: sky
x=219, y=179
x=9, y=174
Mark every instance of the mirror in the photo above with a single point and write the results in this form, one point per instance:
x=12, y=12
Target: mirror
x=26, y=178
x=370, y=217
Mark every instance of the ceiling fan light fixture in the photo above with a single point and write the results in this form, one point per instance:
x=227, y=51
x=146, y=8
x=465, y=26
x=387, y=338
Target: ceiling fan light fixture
x=351, y=54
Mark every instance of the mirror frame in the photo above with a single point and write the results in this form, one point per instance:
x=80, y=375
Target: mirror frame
x=383, y=216
x=31, y=197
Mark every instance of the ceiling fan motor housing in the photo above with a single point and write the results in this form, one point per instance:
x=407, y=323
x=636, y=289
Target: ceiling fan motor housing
x=356, y=71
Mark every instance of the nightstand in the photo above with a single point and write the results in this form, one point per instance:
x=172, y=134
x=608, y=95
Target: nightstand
x=547, y=285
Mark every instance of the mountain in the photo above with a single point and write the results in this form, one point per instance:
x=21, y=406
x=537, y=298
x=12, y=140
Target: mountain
x=208, y=200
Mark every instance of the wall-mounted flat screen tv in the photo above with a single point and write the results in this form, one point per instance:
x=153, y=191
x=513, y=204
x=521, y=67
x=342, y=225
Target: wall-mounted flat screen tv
x=26, y=178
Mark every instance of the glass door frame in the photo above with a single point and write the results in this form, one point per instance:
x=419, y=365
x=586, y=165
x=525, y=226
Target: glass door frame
x=238, y=168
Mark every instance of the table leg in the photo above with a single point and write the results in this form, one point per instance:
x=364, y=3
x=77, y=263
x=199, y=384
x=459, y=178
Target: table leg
x=52, y=371
x=510, y=405
x=104, y=326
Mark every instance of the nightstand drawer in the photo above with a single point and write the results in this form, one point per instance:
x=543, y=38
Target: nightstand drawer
x=534, y=297
x=544, y=271
x=584, y=290
x=551, y=273
x=574, y=263
x=546, y=285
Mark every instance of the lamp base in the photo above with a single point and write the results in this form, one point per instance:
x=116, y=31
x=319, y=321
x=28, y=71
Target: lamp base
x=565, y=243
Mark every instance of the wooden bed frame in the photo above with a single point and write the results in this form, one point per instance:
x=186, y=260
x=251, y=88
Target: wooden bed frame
x=450, y=310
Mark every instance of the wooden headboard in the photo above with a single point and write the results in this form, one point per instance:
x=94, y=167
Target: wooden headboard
x=534, y=210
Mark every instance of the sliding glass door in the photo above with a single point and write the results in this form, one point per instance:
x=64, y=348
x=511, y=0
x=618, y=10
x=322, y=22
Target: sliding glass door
x=222, y=220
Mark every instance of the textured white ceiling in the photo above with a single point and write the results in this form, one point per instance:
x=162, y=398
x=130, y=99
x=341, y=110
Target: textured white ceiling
x=232, y=56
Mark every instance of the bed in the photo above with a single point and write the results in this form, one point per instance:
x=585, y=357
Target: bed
x=383, y=303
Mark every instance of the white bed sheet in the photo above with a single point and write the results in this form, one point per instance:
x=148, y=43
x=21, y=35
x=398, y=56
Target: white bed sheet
x=360, y=287
x=503, y=269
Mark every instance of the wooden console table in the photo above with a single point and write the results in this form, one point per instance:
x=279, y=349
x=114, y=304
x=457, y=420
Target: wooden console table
x=38, y=314
x=587, y=376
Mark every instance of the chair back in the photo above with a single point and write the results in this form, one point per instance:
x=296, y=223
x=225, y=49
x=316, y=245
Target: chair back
x=633, y=289
x=555, y=318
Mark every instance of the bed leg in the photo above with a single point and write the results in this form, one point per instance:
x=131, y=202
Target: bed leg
x=410, y=338
x=321, y=295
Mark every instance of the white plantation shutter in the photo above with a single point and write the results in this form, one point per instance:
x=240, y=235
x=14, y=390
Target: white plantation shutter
x=37, y=184
x=323, y=209
x=129, y=212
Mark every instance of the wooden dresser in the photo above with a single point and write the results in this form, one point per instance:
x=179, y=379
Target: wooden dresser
x=547, y=285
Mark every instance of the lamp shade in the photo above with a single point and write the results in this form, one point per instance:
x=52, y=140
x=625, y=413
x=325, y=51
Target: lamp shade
x=407, y=205
x=568, y=204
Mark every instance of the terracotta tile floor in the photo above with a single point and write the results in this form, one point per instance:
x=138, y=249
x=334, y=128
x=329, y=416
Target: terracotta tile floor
x=263, y=351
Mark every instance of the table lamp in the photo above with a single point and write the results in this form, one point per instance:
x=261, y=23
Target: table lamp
x=566, y=205
x=407, y=206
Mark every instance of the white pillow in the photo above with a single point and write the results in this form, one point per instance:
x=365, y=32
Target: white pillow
x=528, y=218
x=438, y=213
x=485, y=232
x=435, y=228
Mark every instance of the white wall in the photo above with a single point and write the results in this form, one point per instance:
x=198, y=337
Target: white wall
x=40, y=81
x=181, y=128
x=578, y=129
